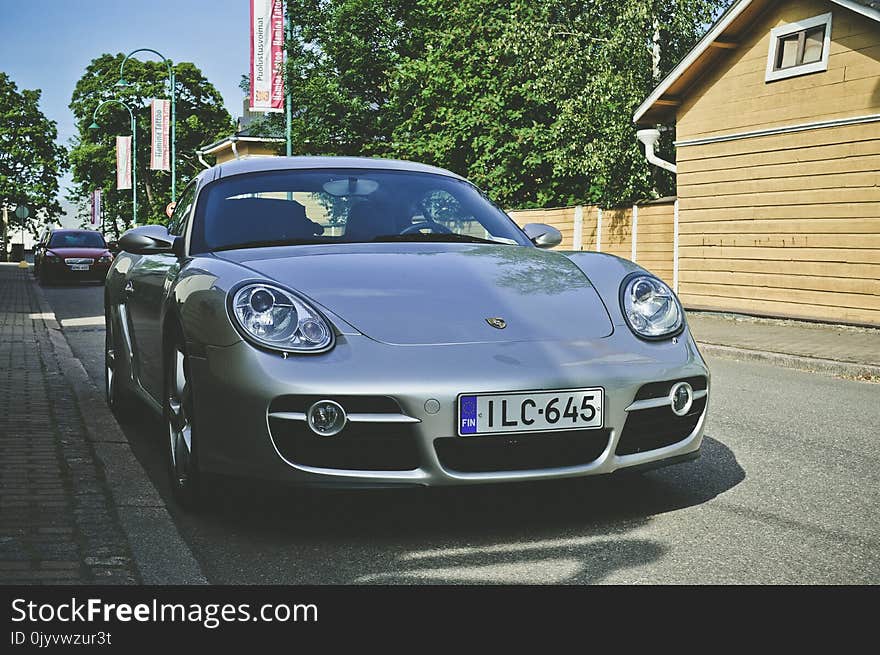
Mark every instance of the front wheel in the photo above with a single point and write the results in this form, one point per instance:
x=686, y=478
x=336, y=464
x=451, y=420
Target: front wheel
x=119, y=399
x=187, y=484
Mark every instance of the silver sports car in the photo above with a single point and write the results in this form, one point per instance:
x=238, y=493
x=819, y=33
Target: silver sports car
x=365, y=322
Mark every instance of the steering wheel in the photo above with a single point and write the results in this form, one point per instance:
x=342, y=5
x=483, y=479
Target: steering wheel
x=430, y=225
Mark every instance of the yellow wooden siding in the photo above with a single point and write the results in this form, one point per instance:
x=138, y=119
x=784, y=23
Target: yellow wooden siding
x=617, y=232
x=787, y=309
x=801, y=240
x=735, y=98
x=654, y=239
x=588, y=230
x=812, y=145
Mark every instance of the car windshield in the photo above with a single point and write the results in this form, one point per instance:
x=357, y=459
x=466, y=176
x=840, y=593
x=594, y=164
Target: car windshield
x=346, y=206
x=77, y=240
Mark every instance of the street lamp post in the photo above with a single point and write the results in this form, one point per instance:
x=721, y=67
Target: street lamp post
x=123, y=83
x=95, y=126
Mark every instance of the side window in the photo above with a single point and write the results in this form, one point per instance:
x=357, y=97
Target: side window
x=182, y=210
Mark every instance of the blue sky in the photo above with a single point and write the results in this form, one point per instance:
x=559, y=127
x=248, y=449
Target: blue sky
x=47, y=44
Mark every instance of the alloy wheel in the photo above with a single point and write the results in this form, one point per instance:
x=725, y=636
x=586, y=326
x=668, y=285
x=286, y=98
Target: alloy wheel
x=179, y=420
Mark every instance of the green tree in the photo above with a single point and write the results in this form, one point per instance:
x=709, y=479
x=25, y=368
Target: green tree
x=531, y=100
x=340, y=63
x=30, y=160
x=534, y=100
x=201, y=118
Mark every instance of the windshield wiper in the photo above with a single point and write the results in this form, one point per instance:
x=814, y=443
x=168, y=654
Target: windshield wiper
x=268, y=244
x=435, y=237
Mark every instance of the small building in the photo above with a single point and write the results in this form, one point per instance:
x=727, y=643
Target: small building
x=776, y=114
x=238, y=146
x=249, y=140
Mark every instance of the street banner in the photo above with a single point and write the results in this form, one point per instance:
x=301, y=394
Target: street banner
x=160, y=113
x=95, y=217
x=123, y=162
x=267, y=56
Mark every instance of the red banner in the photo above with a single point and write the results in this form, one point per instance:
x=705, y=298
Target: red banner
x=160, y=112
x=267, y=55
x=123, y=162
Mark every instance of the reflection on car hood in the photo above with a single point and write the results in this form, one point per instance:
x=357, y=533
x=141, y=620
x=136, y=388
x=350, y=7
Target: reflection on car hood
x=78, y=252
x=406, y=293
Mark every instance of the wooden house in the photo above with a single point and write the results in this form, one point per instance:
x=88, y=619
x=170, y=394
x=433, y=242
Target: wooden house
x=776, y=114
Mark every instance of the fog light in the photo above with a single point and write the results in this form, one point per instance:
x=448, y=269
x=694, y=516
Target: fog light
x=681, y=397
x=326, y=418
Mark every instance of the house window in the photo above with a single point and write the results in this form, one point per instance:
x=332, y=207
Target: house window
x=799, y=48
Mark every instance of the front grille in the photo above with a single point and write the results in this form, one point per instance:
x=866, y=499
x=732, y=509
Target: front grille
x=359, y=447
x=79, y=260
x=520, y=452
x=649, y=429
x=661, y=389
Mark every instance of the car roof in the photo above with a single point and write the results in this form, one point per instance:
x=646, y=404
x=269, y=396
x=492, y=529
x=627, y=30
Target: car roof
x=262, y=164
x=66, y=230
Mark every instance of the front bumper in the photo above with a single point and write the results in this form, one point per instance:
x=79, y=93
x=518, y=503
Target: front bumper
x=59, y=270
x=237, y=389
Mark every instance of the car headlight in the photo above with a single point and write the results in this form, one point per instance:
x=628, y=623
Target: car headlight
x=275, y=318
x=650, y=307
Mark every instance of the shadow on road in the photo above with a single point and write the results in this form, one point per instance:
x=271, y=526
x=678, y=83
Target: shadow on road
x=570, y=531
x=496, y=508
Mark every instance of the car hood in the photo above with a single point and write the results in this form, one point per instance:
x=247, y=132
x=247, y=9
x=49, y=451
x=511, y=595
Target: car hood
x=412, y=294
x=78, y=252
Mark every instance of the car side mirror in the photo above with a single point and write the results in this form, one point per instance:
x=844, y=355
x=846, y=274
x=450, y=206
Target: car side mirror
x=150, y=240
x=543, y=236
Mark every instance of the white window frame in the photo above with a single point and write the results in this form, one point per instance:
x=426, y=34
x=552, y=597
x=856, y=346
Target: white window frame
x=777, y=33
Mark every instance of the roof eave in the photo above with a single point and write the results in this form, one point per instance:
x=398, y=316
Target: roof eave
x=225, y=142
x=648, y=112
x=712, y=35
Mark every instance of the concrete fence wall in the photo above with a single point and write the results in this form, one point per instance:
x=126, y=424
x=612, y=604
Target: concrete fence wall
x=645, y=233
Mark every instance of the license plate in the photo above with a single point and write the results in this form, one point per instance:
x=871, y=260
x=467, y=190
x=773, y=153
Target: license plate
x=79, y=267
x=530, y=411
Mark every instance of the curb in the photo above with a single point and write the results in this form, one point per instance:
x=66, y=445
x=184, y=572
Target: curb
x=160, y=554
x=811, y=364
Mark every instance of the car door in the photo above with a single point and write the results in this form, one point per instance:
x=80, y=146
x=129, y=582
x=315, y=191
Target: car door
x=147, y=285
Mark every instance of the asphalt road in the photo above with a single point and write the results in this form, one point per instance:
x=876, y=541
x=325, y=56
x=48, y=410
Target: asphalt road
x=787, y=491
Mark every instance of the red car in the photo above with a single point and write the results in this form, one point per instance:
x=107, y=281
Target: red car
x=72, y=255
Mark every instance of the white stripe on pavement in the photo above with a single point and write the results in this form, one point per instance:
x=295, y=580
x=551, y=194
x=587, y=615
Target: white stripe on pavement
x=82, y=321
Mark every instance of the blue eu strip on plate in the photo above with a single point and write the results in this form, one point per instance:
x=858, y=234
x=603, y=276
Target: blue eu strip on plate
x=467, y=414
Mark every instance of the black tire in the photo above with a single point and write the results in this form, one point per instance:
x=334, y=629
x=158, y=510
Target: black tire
x=43, y=277
x=119, y=398
x=188, y=485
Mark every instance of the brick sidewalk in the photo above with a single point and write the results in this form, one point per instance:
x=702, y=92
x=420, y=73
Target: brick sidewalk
x=58, y=523
x=850, y=348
